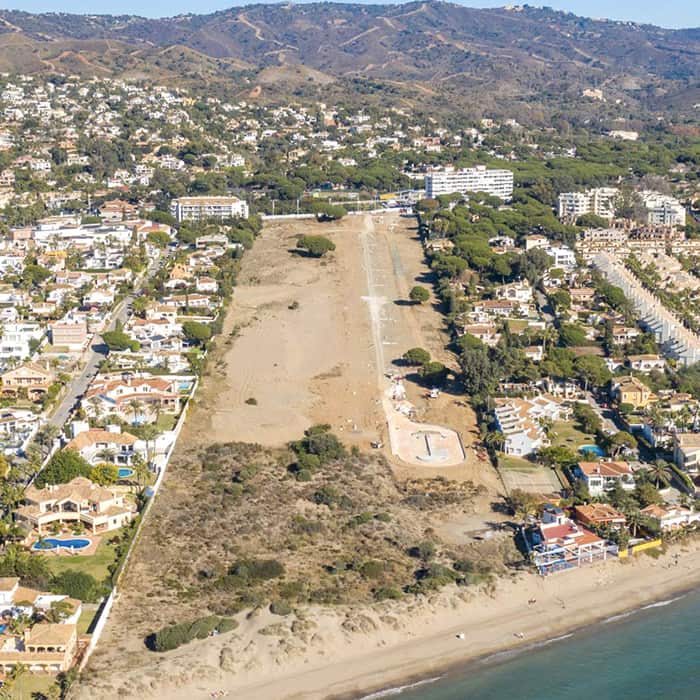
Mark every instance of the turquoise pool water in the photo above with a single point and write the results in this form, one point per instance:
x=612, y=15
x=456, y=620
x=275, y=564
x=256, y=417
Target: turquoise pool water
x=591, y=450
x=49, y=543
x=125, y=472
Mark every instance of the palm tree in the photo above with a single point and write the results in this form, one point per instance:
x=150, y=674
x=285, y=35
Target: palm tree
x=660, y=473
x=59, y=611
x=635, y=520
x=141, y=470
x=495, y=439
x=18, y=673
x=46, y=436
x=106, y=455
x=149, y=433
x=96, y=404
x=136, y=408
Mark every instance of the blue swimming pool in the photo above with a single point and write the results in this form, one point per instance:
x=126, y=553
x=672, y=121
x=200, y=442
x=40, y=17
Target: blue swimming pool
x=125, y=472
x=49, y=543
x=591, y=450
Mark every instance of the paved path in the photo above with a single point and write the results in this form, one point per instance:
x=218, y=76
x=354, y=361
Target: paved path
x=97, y=353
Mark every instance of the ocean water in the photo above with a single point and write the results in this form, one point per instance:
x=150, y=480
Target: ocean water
x=650, y=654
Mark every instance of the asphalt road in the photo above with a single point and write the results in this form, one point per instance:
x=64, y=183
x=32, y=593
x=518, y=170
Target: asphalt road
x=98, y=352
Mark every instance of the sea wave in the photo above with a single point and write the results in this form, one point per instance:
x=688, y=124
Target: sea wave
x=650, y=606
x=387, y=692
x=663, y=603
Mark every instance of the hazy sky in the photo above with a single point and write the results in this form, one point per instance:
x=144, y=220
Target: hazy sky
x=668, y=13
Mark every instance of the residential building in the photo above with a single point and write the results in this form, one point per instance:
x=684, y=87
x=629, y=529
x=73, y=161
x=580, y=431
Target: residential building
x=29, y=378
x=519, y=420
x=599, y=201
x=563, y=257
x=96, y=446
x=558, y=543
x=686, y=451
x=199, y=208
x=645, y=363
x=671, y=517
x=603, y=475
x=79, y=501
x=663, y=210
x=594, y=514
x=134, y=399
x=632, y=391
x=536, y=240
x=18, y=339
x=69, y=332
x=498, y=183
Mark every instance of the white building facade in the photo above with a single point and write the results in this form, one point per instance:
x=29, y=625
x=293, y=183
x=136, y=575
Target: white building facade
x=498, y=183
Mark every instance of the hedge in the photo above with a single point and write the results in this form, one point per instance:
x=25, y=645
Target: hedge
x=174, y=636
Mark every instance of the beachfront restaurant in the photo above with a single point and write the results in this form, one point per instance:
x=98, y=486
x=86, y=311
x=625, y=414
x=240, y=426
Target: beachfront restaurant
x=558, y=543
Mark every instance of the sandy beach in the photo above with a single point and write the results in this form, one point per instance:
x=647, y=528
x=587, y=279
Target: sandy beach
x=423, y=641
x=319, y=653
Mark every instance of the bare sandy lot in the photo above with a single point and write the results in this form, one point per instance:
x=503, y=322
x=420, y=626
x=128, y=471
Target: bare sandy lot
x=303, y=348
x=298, y=348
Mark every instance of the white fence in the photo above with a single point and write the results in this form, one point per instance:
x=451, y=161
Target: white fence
x=107, y=607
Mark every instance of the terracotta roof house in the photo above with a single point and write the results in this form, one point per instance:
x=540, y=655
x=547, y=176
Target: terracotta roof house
x=134, y=399
x=29, y=377
x=93, y=444
x=80, y=500
x=601, y=476
x=45, y=647
x=671, y=517
x=559, y=543
x=599, y=514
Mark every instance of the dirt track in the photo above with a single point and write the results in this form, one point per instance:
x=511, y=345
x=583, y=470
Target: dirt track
x=317, y=362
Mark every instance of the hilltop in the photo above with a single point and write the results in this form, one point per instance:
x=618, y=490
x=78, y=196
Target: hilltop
x=445, y=51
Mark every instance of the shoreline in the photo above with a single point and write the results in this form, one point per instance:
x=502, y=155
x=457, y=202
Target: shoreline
x=356, y=672
x=667, y=596
x=494, y=658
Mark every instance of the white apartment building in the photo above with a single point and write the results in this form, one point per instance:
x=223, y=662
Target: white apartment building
x=198, y=208
x=16, y=338
x=599, y=201
x=498, y=183
x=563, y=257
x=663, y=210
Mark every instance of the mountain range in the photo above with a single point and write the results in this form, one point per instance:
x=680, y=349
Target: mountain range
x=432, y=52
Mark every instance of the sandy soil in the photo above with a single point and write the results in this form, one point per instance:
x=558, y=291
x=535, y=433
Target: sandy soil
x=319, y=362
x=302, y=365
x=339, y=652
x=298, y=340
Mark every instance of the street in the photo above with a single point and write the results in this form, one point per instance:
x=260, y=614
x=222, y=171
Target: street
x=97, y=353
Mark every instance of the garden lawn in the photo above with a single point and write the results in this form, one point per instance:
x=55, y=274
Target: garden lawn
x=31, y=686
x=95, y=564
x=566, y=434
x=166, y=421
x=87, y=617
x=515, y=463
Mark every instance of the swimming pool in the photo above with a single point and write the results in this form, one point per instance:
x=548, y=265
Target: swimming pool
x=49, y=543
x=591, y=450
x=125, y=472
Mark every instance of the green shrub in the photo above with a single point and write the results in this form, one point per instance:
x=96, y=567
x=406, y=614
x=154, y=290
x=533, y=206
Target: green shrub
x=280, y=607
x=372, y=569
x=175, y=636
x=387, y=593
x=78, y=584
x=304, y=475
x=227, y=624
x=257, y=569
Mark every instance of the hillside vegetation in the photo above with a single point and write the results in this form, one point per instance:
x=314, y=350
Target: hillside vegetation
x=446, y=50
